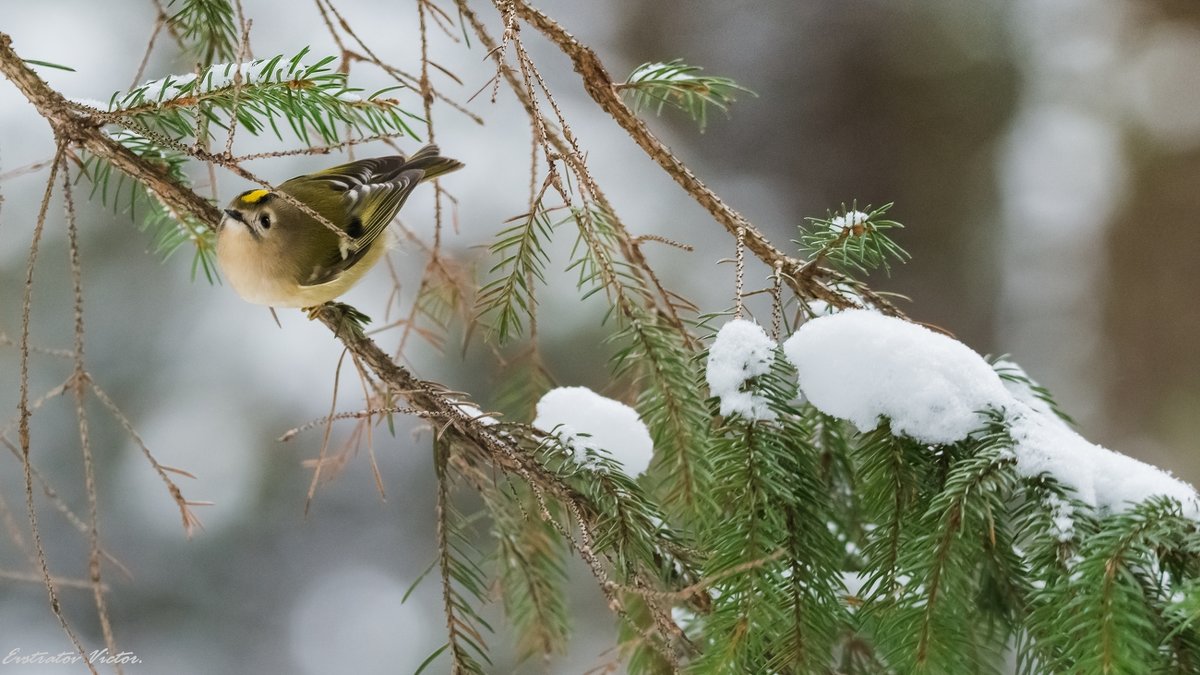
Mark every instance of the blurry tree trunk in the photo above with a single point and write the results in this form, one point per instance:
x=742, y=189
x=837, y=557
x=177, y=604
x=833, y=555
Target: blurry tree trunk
x=1153, y=317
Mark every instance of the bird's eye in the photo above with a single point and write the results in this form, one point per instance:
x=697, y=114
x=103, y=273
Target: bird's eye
x=265, y=222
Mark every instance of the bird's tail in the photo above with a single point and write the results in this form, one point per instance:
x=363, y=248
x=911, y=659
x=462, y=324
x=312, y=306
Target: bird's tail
x=428, y=160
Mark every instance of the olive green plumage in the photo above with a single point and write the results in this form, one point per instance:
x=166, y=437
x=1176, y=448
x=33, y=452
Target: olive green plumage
x=275, y=253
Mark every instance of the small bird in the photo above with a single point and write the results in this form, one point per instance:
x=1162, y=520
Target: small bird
x=274, y=253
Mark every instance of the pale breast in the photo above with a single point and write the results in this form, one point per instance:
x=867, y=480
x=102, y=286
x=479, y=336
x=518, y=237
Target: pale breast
x=264, y=280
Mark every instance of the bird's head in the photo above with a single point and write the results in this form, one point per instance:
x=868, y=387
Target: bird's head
x=253, y=210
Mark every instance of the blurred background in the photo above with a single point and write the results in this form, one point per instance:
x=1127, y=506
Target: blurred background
x=1044, y=156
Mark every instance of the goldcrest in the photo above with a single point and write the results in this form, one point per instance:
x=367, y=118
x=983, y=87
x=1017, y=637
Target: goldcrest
x=275, y=253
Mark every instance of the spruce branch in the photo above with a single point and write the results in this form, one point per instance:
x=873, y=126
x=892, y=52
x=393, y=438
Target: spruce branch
x=649, y=349
x=631, y=533
x=67, y=124
x=522, y=259
x=1114, y=593
x=770, y=503
x=464, y=584
x=747, y=527
x=563, y=148
x=532, y=562
x=81, y=126
x=205, y=27
x=852, y=239
x=306, y=96
x=677, y=85
x=501, y=449
x=971, y=501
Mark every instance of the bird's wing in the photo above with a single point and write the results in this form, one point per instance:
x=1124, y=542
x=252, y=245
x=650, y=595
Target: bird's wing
x=350, y=175
x=374, y=190
x=372, y=206
x=333, y=267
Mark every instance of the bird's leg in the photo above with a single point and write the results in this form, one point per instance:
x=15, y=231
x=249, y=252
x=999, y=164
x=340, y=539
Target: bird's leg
x=347, y=317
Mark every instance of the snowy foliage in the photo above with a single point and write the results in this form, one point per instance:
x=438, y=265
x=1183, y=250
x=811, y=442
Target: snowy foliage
x=313, y=100
x=865, y=367
x=850, y=219
x=741, y=352
x=586, y=421
x=868, y=368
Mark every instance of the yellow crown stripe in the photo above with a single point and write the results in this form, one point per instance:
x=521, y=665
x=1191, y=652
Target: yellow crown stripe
x=255, y=196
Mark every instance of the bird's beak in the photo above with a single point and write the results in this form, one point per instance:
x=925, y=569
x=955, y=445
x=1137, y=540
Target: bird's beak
x=236, y=215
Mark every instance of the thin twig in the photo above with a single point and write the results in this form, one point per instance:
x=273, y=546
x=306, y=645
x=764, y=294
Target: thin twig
x=61, y=582
x=238, y=81
x=777, y=301
x=159, y=22
x=60, y=353
x=79, y=378
x=355, y=415
x=316, y=477
x=23, y=405
x=366, y=426
x=739, y=272
x=14, y=533
x=28, y=168
x=369, y=56
x=59, y=505
x=190, y=521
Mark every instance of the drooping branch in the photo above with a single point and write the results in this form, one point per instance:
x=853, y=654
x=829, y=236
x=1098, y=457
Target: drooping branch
x=426, y=396
x=809, y=281
x=555, y=139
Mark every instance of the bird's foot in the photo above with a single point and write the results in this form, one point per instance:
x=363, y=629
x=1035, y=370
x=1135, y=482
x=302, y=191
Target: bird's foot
x=344, y=316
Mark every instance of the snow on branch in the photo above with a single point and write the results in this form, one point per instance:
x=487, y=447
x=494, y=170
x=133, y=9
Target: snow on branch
x=260, y=93
x=587, y=423
x=741, y=352
x=868, y=368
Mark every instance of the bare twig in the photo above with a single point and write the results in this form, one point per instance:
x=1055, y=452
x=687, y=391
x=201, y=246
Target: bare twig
x=355, y=415
x=316, y=477
x=61, y=582
x=739, y=272
x=777, y=301
x=238, y=80
x=60, y=505
x=563, y=148
x=21, y=171
x=159, y=22
x=79, y=378
x=23, y=405
x=190, y=521
x=327, y=8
